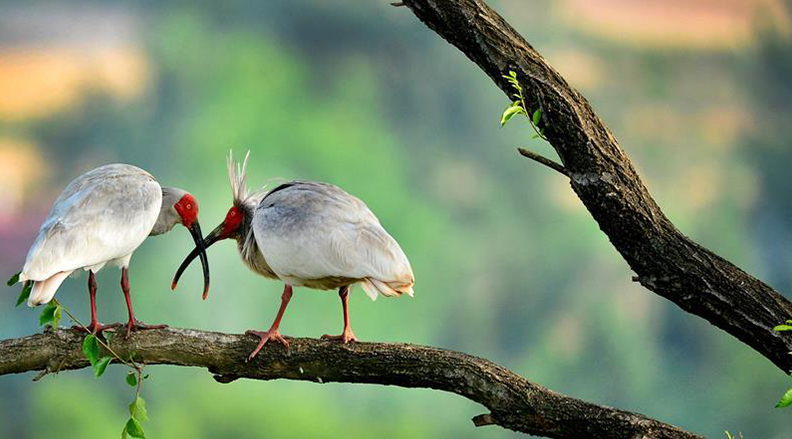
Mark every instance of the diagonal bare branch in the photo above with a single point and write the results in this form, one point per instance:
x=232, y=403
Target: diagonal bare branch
x=666, y=261
x=513, y=402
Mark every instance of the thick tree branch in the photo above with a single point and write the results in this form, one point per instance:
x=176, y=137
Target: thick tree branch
x=666, y=261
x=513, y=401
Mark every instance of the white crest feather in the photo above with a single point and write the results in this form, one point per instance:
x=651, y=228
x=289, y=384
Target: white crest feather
x=243, y=198
x=237, y=175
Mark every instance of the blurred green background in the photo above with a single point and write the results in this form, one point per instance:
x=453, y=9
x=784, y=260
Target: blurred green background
x=509, y=265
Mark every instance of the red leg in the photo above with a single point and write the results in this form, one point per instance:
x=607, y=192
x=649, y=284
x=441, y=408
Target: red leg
x=92, y=292
x=274, y=332
x=133, y=324
x=346, y=336
x=94, y=327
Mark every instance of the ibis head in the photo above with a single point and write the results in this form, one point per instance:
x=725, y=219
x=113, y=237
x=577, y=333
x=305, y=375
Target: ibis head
x=180, y=207
x=230, y=227
x=233, y=226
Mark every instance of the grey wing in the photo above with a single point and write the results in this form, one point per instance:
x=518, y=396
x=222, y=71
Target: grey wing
x=310, y=230
x=102, y=215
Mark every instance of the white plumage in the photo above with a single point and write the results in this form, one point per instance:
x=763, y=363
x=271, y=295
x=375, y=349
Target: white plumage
x=101, y=217
x=312, y=233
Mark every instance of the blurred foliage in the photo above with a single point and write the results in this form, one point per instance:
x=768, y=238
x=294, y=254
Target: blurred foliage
x=509, y=265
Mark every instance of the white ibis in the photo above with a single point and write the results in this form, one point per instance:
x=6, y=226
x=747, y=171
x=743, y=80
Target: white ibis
x=101, y=217
x=310, y=234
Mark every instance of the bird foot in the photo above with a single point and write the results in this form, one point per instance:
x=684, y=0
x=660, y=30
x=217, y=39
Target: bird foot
x=346, y=337
x=96, y=328
x=136, y=325
x=265, y=336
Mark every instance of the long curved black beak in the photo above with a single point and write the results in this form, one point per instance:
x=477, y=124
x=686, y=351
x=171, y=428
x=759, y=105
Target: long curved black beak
x=199, y=250
x=201, y=245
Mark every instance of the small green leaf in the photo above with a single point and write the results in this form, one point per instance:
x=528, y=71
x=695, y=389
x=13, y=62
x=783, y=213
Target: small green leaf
x=101, y=365
x=14, y=279
x=535, y=136
x=786, y=400
x=515, y=83
x=138, y=409
x=131, y=379
x=134, y=429
x=25, y=293
x=510, y=112
x=782, y=328
x=90, y=348
x=789, y=322
x=48, y=313
x=537, y=116
x=145, y=377
x=56, y=317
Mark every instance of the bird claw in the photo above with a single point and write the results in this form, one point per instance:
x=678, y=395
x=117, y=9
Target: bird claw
x=346, y=337
x=136, y=325
x=265, y=336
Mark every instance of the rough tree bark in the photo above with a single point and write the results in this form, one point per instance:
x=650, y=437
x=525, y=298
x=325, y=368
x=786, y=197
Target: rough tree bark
x=665, y=261
x=514, y=402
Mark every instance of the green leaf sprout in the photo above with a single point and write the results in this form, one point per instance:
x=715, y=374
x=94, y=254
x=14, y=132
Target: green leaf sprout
x=100, y=366
x=26, y=287
x=786, y=400
x=90, y=348
x=138, y=409
x=518, y=106
x=133, y=429
x=51, y=314
x=14, y=279
x=23, y=296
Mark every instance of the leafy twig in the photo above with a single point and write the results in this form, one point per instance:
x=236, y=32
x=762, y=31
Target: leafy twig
x=99, y=341
x=519, y=107
x=90, y=348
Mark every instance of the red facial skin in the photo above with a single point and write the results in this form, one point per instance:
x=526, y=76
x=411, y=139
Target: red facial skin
x=232, y=220
x=187, y=208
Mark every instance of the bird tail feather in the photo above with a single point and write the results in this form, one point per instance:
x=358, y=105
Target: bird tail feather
x=373, y=287
x=44, y=290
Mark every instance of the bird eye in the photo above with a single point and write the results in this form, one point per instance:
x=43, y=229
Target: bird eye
x=189, y=206
x=233, y=213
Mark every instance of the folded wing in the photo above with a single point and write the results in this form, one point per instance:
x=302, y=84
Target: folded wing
x=309, y=230
x=101, y=216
